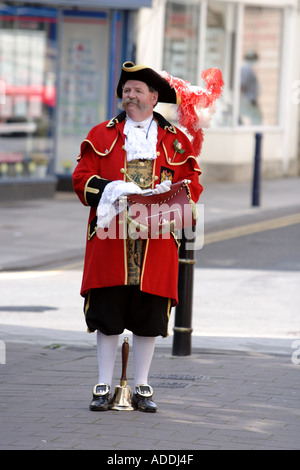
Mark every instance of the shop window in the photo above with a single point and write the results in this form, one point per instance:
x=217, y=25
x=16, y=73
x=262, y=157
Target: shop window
x=244, y=42
x=182, y=39
x=260, y=71
x=27, y=89
x=220, y=40
x=186, y=55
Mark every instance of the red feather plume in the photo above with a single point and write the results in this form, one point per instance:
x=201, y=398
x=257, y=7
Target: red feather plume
x=193, y=100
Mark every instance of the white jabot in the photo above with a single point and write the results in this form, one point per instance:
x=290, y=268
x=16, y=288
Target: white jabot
x=141, y=139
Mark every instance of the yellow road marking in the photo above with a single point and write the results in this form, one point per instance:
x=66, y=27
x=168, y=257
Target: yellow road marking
x=251, y=228
x=32, y=274
x=13, y=275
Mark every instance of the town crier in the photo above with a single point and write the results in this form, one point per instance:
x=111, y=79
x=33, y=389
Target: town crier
x=131, y=283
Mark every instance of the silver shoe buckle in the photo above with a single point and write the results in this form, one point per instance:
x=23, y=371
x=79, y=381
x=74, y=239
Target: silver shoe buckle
x=100, y=390
x=145, y=391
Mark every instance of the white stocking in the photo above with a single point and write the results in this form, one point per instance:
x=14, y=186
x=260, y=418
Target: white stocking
x=143, y=350
x=107, y=347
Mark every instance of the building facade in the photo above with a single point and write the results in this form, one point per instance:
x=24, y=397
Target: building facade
x=60, y=61
x=59, y=64
x=255, y=44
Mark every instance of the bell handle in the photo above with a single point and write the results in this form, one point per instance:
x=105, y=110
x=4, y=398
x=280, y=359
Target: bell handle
x=125, y=354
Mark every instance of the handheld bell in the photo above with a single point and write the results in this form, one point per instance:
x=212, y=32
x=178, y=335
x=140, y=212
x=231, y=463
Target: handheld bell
x=122, y=397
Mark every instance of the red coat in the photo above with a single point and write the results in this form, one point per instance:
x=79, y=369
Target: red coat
x=103, y=159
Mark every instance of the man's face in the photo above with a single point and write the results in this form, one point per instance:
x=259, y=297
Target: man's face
x=138, y=101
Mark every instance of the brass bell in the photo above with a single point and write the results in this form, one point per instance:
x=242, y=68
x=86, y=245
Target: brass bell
x=122, y=397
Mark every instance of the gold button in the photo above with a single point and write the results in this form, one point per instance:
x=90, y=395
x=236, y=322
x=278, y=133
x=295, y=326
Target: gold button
x=158, y=153
x=122, y=170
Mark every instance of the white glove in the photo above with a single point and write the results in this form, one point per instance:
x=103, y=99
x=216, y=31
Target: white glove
x=124, y=189
x=108, y=206
x=163, y=187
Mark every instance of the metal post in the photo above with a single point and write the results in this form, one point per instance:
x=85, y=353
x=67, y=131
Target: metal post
x=182, y=339
x=256, y=171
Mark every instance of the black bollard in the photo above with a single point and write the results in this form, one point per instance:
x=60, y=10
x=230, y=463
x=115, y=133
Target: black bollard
x=182, y=339
x=256, y=171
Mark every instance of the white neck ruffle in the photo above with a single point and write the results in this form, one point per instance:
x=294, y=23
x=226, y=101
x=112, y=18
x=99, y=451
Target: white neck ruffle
x=141, y=139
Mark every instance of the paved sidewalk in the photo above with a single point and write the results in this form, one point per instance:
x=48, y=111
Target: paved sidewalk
x=231, y=393
x=211, y=400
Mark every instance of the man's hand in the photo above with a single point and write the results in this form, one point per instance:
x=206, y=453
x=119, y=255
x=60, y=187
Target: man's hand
x=163, y=187
x=125, y=189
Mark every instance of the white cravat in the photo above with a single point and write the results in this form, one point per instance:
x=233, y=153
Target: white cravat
x=141, y=139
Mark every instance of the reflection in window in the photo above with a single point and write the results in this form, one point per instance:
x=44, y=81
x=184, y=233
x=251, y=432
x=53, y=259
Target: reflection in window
x=249, y=108
x=181, y=39
x=260, y=66
x=219, y=52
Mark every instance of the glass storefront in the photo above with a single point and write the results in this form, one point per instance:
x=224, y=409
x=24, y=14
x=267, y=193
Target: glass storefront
x=245, y=42
x=58, y=73
x=28, y=55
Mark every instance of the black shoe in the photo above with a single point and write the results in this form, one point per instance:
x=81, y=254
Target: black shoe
x=142, y=399
x=100, y=400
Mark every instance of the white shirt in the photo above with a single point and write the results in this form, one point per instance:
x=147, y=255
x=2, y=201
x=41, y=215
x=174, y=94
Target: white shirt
x=141, y=139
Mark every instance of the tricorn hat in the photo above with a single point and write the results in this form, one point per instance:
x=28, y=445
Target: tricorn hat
x=196, y=105
x=142, y=73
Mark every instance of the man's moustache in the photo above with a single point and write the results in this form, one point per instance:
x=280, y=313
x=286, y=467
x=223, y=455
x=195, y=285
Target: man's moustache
x=135, y=101
x=130, y=100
